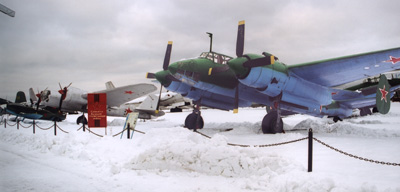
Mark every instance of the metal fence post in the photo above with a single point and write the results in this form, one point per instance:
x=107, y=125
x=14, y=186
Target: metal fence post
x=310, y=149
x=129, y=131
x=55, y=128
x=33, y=126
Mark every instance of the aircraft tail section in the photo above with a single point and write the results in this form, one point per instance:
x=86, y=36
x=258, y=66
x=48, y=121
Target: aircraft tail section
x=109, y=85
x=383, y=95
x=149, y=105
x=20, y=98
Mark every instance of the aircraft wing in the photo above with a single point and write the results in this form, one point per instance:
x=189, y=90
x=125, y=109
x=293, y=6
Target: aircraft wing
x=338, y=71
x=121, y=95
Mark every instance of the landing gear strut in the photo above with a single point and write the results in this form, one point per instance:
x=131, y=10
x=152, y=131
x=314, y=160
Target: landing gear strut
x=272, y=123
x=194, y=120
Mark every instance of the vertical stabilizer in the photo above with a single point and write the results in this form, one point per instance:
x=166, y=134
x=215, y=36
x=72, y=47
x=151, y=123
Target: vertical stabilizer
x=20, y=98
x=32, y=95
x=383, y=95
x=109, y=85
x=150, y=103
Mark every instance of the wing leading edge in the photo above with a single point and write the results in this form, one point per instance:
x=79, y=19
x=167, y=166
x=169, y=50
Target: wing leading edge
x=121, y=95
x=338, y=71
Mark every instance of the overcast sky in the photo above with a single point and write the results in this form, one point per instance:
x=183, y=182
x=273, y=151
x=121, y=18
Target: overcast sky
x=91, y=42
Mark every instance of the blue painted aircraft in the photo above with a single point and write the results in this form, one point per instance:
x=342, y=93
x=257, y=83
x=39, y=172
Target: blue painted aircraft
x=223, y=82
x=22, y=109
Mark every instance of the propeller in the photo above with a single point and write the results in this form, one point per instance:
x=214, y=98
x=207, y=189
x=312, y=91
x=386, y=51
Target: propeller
x=240, y=40
x=239, y=50
x=169, y=77
x=63, y=92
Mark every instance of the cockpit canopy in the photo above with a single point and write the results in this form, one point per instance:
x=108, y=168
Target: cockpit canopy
x=216, y=57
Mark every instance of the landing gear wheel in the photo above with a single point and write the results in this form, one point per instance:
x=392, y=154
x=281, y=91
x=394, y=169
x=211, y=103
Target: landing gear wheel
x=81, y=119
x=270, y=125
x=336, y=119
x=176, y=109
x=375, y=110
x=365, y=111
x=191, y=120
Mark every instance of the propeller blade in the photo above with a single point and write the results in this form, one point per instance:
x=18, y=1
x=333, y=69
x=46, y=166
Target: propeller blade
x=236, y=107
x=240, y=40
x=216, y=70
x=260, y=62
x=150, y=75
x=167, y=56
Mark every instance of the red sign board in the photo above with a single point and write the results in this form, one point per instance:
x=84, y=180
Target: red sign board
x=97, y=109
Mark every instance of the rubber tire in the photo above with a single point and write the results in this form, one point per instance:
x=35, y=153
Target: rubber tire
x=190, y=121
x=269, y=123
x=365, y=112
x=81, y=119
x=176, y=109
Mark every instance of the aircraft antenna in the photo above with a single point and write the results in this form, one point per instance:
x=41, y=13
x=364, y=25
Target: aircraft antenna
x=211, y=38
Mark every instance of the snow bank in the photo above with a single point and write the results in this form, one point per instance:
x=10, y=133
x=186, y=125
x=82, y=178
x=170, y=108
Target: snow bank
x=194, y=153
x=347, y=127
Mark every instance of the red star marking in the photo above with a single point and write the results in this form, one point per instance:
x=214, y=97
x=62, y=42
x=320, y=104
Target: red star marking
x=394, y=60
x=129, y=92
x=384, y=93
x=128, y=111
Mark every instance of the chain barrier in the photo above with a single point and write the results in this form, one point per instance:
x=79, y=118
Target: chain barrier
x=26, y=127
x=11, y=124
x=266, y=145
x=230, y=144
x=355, y=156
x=37, y=125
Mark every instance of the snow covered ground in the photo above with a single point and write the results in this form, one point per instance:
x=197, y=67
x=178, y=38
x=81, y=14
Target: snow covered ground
x=171, y=158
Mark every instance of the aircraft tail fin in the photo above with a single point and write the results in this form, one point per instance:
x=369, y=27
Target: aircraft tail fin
x=32, y=95
x=109, y=85
x=383, y=95
x=149, y=105
x=20, y=98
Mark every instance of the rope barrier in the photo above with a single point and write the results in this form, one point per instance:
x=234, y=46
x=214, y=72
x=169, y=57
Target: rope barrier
x=355, y=156
x=94, y=133
x=267, y=145
x=119, y=133
x=80, y=128
x=61, y=129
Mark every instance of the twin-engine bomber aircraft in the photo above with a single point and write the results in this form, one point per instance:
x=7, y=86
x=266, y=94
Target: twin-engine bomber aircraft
x=223, y=82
